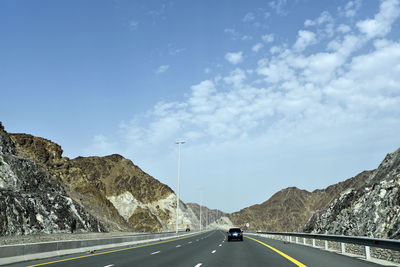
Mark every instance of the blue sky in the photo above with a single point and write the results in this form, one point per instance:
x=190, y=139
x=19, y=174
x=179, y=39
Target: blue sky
x=267, y=94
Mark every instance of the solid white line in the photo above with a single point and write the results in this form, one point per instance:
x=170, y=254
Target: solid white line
x=213, y=251
x=156, y=252
x=178, y=246
x=111, y=265
x=198, y=265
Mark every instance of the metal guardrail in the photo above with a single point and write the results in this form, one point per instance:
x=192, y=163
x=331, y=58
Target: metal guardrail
x=357, y=240
x=367, y=242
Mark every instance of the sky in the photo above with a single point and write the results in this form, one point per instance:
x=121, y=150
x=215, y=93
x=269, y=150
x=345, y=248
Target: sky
x=266, y=94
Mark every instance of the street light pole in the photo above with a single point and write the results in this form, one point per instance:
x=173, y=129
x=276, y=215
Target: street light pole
x=201, y=200
x=179, y=143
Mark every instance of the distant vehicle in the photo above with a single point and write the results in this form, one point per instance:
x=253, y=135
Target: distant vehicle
x=187, y=229
x=235, y=234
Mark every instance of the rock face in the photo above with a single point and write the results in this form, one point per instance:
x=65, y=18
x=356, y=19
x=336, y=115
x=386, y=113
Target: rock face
x=112, y=188
x=32, y=201
x=208, y=216
x=370, y=210
x=289, y=209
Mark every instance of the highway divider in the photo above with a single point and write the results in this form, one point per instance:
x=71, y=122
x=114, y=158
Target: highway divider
x=24, y=252
x=378, y=248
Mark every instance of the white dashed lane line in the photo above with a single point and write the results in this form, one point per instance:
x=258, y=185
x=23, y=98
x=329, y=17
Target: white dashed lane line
x=198, y=265
x=178, y=246
x=213, y=251
x=111, y=265
x=155, y=252
x=190, y=242
x=220, y=245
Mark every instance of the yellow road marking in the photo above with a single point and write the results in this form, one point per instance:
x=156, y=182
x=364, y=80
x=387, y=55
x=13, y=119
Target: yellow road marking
x=112, y=251
x=279, y=252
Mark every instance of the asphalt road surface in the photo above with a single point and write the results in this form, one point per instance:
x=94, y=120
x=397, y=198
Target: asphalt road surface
x=207, y=249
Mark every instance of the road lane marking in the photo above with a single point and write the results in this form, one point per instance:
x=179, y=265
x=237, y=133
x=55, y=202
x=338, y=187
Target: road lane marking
x=111, y=265
x=155, y=252
x=220, y=245
x=198, y=265
x=279, y=252
x=213, y=251
x=178, y=246
x=113, y=251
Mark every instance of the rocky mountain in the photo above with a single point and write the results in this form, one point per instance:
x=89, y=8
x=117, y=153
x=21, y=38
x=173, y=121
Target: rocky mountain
x=208, y=216
x=372, y=209
x=115, y=191
x=289, y=209
x=33, y=201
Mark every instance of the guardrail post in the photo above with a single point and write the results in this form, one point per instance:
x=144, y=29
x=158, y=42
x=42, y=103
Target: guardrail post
x=313, y=242
x=367, y=253
x=326, y=245
x=304, y=241
x=297, y=240
x=343, y=247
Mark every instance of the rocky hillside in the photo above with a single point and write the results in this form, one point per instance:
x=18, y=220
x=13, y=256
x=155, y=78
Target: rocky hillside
x=32, y=201
x=208, y=216
x=289, y=209
x=112, y=188
x=370, y=210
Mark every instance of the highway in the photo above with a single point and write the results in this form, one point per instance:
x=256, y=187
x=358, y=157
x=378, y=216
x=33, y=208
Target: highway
x=206, y=249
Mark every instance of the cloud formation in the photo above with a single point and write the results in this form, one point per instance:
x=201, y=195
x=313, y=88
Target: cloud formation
x=336, y=85
x=162, y=68
x=234, y=57
x=292, y=92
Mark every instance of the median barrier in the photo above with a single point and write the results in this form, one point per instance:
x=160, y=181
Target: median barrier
x=24, y=252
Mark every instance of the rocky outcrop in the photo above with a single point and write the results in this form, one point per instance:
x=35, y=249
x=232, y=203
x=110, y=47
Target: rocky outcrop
x=289, y=209
x=32, y=201
x=112, y=188
x=370, y=210
x=208, y=216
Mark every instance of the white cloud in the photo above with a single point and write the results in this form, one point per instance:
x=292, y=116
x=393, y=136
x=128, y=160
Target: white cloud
x=236, y=78
x=343, y=28
x=162, y=68
x=207, y=70
x=257, y=47
x=133, y=25
x=325, y=17
x=381, y=24
x=304, y=39
x=236, y=35
x=268, y=38
x=234, y=57
x=351, y=8
x=279, y=7
x=249, y=17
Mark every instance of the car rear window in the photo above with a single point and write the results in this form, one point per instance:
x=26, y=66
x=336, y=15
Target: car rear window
x=234, y=230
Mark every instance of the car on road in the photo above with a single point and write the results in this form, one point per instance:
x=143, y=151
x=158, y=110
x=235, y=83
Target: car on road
x=235, y=234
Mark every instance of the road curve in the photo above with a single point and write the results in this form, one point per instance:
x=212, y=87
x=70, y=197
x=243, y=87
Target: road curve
x=206, y=249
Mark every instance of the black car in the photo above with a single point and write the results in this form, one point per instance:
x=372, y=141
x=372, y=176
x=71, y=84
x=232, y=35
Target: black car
x=235, y=234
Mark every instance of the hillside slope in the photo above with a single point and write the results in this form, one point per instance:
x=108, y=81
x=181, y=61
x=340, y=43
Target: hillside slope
x=112, y=188
x=32, y=201
x=370, y=210
x=289, y=209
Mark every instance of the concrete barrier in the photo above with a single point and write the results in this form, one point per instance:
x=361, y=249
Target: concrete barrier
x=18, y=253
